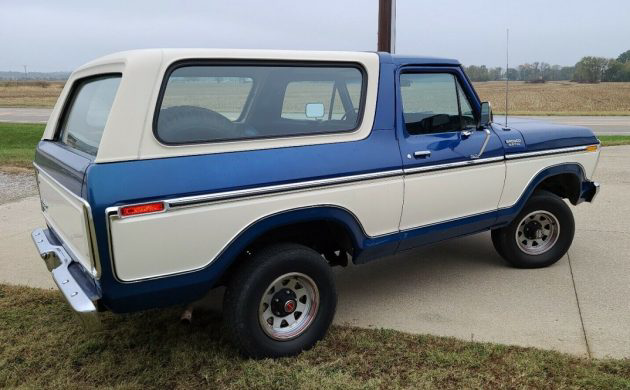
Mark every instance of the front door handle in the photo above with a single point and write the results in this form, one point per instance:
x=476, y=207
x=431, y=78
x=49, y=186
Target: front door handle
x=422, y=154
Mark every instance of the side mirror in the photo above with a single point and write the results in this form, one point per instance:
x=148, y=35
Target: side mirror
x=486, y=115
x=314, y=110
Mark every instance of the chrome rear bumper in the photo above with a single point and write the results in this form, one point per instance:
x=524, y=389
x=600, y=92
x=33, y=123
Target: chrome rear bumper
x=57, y=261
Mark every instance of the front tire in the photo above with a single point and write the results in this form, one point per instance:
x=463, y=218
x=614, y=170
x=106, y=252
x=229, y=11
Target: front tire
x=280, y=302
x=540, y=235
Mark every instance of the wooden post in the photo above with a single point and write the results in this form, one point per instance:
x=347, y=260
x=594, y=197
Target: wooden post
x=386, y=25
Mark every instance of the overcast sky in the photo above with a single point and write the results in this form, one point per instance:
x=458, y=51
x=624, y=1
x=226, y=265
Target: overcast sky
x=63, y=34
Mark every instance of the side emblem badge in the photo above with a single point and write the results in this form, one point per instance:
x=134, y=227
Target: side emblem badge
x=514, y=142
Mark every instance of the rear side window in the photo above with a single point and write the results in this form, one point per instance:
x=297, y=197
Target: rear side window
x=85, y=118
x=213, y=103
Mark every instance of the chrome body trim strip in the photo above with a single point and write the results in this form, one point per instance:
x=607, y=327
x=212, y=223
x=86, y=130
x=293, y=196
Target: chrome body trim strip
x=184, y=201
x=548, y=152
x=266, y=190
x=459, y=164
x=57, y=261
x=112, y=212
x=88, y=221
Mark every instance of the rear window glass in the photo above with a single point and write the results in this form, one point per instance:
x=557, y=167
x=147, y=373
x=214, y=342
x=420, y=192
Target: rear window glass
x=85, y=119
x=212, y=103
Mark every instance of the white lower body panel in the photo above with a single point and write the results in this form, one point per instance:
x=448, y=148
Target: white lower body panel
x=445, y=195
x=186, y=239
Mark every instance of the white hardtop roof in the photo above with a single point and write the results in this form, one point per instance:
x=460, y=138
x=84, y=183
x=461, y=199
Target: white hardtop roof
x=138, y=93
x=168, y=55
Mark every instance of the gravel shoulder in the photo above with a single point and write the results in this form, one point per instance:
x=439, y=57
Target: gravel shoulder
x=16, y=184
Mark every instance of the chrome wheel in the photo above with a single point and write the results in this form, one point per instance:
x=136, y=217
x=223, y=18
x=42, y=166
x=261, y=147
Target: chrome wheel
x=288, y=306
x=537, y=232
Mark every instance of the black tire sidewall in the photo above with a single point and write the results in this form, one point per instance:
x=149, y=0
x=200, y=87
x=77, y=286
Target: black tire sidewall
x=245, y=291
x=552, y=204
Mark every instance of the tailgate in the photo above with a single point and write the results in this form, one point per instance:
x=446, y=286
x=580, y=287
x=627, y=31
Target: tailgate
x=69, y=217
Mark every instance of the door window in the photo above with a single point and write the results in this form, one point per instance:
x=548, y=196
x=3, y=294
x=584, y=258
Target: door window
x=434, y=103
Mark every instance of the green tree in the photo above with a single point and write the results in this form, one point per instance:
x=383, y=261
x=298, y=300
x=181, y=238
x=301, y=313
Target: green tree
x=590, y=69
x=477, y=73
x=495, y=74
x=624, y=57
x=512, y=74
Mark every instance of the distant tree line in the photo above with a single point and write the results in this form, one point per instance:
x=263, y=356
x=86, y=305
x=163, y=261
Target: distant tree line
x=48, y=76
x=587, y=70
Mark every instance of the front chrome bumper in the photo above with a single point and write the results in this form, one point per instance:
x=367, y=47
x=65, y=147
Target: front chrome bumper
x=596, y=185
x=590, y=189
x=57, y=261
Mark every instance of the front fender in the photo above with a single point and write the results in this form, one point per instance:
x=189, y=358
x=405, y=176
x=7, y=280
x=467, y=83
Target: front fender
x=507, y=214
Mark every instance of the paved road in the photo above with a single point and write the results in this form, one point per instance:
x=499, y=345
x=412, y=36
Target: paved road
x=460, y=288
x=602, y=125
x=24, y=115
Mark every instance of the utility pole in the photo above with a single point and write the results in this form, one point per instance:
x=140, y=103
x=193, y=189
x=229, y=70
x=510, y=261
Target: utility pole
x=386, y=25
x=25, y=73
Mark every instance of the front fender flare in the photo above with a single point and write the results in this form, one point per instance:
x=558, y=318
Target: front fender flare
x=507, y=214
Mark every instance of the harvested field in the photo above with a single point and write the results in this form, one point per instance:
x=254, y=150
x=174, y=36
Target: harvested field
x=557, y=98
x=552, y=98
x=29, y=93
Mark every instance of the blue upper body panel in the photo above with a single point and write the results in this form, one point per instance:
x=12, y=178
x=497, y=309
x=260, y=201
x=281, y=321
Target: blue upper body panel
x=402, y=60
x=112, y=184
x=540, y=135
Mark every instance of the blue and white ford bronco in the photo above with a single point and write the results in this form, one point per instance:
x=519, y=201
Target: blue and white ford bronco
x=165, y=173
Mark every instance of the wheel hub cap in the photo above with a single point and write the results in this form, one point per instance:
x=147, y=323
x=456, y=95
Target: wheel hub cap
x=288, y=306
x=283, y=302
x=533, y=230
x=538, y=232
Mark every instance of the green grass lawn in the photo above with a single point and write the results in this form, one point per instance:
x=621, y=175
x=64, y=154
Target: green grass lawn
x=17, y=143
x=614, y=140
x=42, y=345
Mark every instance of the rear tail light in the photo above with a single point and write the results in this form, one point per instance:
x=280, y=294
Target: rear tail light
x=139, y=209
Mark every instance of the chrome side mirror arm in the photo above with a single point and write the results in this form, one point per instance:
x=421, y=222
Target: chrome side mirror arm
x=483, y=146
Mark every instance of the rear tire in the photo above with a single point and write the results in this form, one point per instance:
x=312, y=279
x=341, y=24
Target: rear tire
x=280, y=302
x=539, y=235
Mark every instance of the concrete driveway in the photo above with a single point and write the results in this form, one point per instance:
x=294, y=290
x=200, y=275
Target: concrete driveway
x=460, y=288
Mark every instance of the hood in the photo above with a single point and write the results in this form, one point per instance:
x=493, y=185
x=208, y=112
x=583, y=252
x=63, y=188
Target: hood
x=539, y=135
